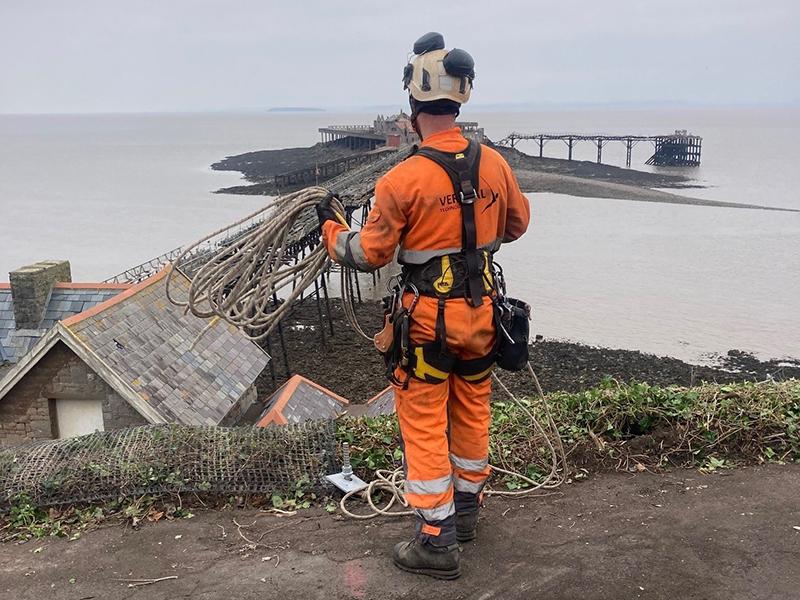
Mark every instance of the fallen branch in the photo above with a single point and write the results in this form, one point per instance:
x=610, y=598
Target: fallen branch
x=142, y=582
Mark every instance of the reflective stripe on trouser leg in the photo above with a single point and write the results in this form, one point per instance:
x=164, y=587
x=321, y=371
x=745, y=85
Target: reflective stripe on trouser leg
x=437, y=514
x=422, y=414
x=469, y=475
x=469, y=415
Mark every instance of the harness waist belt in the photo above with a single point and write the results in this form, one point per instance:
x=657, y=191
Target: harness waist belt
x=448, y=276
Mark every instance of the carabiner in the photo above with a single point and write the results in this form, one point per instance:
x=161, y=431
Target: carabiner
x=414, y=302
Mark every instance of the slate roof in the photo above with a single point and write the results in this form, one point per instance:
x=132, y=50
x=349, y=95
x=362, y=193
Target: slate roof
x=159, y=351
x=299, y=400
x=380, y=404
x=153, y=355
x=66, y=300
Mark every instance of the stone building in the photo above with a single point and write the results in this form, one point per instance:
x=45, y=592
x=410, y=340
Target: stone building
x=131, y=359
x=397, y=129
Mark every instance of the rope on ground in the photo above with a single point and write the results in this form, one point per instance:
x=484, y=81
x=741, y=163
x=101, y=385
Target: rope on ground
x=391, y=482
x=241, y=282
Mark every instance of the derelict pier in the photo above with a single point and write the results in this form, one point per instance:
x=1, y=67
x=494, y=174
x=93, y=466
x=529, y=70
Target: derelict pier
x=679, y=149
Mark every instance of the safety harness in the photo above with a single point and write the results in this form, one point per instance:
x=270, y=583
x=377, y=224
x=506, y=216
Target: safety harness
x=468, y=273
x=462, y=168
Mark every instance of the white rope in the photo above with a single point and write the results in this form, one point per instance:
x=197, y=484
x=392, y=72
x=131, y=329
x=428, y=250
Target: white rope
x=239, y=282
x=391, y=482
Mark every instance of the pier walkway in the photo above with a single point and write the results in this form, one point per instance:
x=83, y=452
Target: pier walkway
x=679, y=149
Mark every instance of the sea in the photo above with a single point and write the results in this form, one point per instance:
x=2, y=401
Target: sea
x=111, y=191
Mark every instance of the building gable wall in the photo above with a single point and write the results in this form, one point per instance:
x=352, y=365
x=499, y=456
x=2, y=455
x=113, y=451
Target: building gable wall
x=25, y=411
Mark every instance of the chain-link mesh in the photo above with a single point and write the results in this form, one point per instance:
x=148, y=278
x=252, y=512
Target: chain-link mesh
x=168, y=458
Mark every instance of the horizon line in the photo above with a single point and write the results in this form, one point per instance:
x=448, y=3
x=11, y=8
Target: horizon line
x=512, y=106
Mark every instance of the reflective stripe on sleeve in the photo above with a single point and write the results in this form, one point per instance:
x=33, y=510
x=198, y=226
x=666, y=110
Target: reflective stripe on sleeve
x=348, y=251
x=357, y=252
x=340, y=249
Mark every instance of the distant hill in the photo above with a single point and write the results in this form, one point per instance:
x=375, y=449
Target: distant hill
x=295, y=109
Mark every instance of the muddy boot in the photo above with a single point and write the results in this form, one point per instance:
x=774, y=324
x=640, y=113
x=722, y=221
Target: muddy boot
x=467, y=506
x=433, y=551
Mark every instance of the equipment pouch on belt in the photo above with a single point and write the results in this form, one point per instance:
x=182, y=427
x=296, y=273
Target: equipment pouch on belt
x=513, y=329
x=393, y=341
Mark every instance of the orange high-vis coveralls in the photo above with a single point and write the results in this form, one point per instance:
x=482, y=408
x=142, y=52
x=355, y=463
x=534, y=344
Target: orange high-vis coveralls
x=444, y=426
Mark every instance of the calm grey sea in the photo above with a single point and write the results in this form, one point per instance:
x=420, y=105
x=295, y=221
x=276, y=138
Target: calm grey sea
x=110, y=191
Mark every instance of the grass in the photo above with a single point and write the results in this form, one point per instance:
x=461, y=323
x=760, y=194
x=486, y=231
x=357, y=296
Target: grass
x=613, y=426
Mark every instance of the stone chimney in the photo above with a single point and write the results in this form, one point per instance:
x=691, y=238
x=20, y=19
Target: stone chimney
x=30, y=290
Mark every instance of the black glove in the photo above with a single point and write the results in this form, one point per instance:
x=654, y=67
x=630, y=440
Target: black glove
x=325, y=211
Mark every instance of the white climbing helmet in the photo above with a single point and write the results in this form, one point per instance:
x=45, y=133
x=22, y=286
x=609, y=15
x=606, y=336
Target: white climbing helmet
x=438, y=74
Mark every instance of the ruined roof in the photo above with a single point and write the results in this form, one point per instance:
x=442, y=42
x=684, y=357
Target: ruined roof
x=66, y=299
x=380, y=404
x=153, y=355
x=299, y=400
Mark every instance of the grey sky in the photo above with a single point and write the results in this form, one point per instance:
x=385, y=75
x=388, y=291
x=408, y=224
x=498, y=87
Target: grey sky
x=110, y=55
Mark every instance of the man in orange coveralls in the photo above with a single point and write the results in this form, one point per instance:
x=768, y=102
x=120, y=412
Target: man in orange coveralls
x=448, y=207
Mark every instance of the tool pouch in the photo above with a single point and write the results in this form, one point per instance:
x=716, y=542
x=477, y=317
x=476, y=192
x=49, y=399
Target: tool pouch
x=393, y=343
x=384, y=339
x=513, y=329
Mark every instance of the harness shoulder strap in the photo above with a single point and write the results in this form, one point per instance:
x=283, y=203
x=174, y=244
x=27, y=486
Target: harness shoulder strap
x=463, y=169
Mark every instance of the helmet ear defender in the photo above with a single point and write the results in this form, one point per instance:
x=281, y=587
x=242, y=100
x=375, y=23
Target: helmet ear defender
x=429, y=41
x=459, y=63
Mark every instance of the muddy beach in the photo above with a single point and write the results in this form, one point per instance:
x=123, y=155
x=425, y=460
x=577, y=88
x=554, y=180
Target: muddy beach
x=350, y=366
x=559, y=176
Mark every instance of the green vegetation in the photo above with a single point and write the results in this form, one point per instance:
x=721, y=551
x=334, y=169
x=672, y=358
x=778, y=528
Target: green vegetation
x=614, y=426
x=623, y=426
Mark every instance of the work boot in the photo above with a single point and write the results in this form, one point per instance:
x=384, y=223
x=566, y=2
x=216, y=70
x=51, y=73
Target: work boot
x=467, y=507
x=433, y=551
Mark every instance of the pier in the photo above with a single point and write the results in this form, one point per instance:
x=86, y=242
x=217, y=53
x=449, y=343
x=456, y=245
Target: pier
x=320, y=172
x=355, y=137
x=679, y=149
x=392, y=131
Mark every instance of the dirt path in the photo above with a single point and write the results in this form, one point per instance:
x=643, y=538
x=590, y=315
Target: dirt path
x=676, y=536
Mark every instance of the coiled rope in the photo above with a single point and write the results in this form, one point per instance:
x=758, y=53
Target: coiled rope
x=240, y=281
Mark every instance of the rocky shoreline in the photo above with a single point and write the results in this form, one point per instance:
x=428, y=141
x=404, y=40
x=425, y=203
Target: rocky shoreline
x=559, y=176
x=260, y=167
x=351, y=367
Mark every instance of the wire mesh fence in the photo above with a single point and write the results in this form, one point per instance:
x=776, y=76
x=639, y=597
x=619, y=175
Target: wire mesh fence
x=168, y=459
